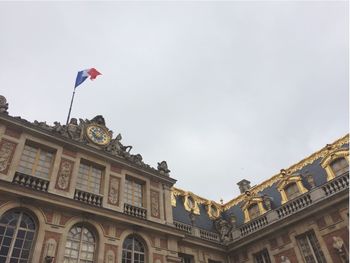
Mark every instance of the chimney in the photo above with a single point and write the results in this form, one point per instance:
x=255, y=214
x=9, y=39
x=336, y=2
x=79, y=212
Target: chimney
x=244, y=185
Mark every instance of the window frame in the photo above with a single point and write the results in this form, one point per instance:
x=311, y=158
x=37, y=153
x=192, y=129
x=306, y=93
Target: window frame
x=133, y=251
x=134, y=181
x=287, y=180
x=91, y=184
x=263, y=253
x=314, y=253
x=15, y=236
x=34, y=166
x=332, y=156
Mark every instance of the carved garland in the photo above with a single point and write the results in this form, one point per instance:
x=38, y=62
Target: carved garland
x=64, y=174
x=7, y=149
x=113, y=190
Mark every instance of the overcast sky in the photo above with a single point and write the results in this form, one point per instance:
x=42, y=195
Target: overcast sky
x=220, y=90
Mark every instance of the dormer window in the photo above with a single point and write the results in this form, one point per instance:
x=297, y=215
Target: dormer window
x=292, y=191
x=339, y=166
x=336, y=163
x=290, y=187
x=253, y=211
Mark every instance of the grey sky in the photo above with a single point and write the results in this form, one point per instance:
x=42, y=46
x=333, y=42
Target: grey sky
x=221, y=90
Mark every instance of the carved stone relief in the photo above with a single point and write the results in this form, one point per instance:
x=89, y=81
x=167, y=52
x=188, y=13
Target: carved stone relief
x=113, y=191
x=7, y=149
x=155, y=204
x=64, y=174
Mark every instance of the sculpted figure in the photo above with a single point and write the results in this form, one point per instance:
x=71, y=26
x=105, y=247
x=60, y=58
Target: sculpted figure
x=73, y=129
x=224, y=228
x=338, y=243
x=3, y=105
x=163, y=168
x=115, y=147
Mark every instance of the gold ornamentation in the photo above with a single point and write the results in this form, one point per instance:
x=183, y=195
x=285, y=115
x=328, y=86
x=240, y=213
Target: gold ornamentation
x=292, y=169
x=213, y=210
x=251, y=199
x=330, y=157
x=98, y=134
x=289, y=179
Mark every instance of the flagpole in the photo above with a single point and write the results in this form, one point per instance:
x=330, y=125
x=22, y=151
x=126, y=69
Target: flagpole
x=70, y=108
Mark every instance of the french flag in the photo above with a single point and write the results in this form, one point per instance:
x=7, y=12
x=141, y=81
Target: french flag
x=84, y=74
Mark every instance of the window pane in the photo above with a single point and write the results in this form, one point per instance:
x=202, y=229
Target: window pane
x=80, y=245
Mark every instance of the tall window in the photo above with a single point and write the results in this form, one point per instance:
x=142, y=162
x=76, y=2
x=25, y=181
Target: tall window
x=133, y=250
x=80, y=245
x=253, y=211
x=340, y=166
x=89, y=178
x=310, y=248
x=262, y=257
x=186, y=258
x=17, y=232
x=133, y=192
x=291, y=191
x=35, y=161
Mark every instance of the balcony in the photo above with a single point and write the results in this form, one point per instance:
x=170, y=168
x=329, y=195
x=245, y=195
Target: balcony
x=294, y=206
x=135, y=211
x=29, y=181
x=89, y=198
x=253, y=225
x=183, y=227
x=336, y=185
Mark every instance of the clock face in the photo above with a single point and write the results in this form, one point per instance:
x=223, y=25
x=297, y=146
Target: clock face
x=98, y=135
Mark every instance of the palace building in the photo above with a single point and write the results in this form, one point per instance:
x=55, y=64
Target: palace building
x=75, y=194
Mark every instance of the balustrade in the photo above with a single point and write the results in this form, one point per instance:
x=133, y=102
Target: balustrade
x=253, y=225
x=135, y=211
x=294, y=205
x=183, y=227
x=31, y=182
x=90, y=198
x=209, y=235
x=337, y=184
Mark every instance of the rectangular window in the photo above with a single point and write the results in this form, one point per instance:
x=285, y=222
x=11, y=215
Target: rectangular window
x=292, y=191
x=89, y=178
x=186, y=258
x=253, y=211
x=133, y=192
x=310, y=248
x=262, y=257
x=35, y=161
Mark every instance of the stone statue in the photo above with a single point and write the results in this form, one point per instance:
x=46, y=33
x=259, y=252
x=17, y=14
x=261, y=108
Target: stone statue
x=224, y=229
x=3, y=105
x=338, y=243
x=73, y=129
x=115, y=147
x=285, y=259
x=163, y=168
x=98, y=120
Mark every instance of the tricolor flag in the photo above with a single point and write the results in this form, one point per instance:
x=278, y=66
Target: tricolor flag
x=84, y=74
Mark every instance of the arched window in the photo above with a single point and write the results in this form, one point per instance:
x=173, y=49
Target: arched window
x=253, y=211
x=340, y=166
x=291, y=190
x=17, y=233
x=80, y=245
x=133, y=250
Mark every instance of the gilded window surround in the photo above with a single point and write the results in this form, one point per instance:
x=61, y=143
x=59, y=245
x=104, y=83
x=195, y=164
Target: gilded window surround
x=187, y=206
x=287, y=180
x=332, y=156
x=251, y=199
x=292, y=169
x=210, y=213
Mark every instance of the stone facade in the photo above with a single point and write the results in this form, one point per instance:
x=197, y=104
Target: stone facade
x=65, y=183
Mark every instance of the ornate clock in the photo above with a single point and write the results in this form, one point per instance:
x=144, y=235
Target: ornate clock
x=98, y=135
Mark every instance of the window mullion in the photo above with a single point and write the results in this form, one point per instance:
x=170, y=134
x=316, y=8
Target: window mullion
x=14, y=238
x=36, y=161
x=311, y=248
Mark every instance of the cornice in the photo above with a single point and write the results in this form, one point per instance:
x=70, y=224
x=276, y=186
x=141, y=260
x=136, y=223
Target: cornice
x=26, y=126
x=260, y=187
x=292, y=169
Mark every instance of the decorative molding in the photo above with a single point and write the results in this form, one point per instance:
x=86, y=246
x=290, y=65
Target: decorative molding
x=113, y=190
x=332, y=156
x=292, y=169
x=287, y=180
x=64, y=175
x=7, y=149
x=249, y=200
x=155, y=212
